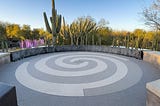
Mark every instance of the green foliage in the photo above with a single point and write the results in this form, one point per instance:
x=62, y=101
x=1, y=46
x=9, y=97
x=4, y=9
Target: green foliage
x=83, y=31
x=2, y=32
x=79, y=31
x=26, y=32
x=139, y=36
x=14, y=32
x=3, y=37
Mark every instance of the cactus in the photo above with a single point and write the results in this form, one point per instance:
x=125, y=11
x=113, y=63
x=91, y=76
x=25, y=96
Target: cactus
x=47, y=23
x=64, y=29
x=55, y=22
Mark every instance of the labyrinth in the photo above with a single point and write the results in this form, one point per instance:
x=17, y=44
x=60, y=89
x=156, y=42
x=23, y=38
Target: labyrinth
x=78, y=73
x=78, y=78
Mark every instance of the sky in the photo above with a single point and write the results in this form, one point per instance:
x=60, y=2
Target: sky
x=121, y=14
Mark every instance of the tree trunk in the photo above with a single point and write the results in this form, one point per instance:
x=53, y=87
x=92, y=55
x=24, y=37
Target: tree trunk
x=2, y=45
x=86, y=40
x=92, y=39
x=81, y=43
x=100, y=40
x=6, y=46
x=71, y=40
x=54, y=40
x=126, y=41
x=77, y=41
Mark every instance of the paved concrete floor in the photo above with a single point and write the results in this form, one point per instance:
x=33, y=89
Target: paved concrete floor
x=125, y=89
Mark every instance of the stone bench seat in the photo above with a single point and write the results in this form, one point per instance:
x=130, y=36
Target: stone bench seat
x=7, y=95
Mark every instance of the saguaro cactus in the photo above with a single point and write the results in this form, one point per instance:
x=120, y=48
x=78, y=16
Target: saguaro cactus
x=55, y=22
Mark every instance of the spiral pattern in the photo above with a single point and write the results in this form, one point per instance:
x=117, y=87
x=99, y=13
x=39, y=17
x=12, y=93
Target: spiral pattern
x=78, y=73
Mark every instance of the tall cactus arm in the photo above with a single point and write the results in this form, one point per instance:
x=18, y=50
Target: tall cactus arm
x=59, y=24
x=53, y=4
x=51, y=19
x=47, y=23
x=54, y=14
x=64, y=28
x=64, y=23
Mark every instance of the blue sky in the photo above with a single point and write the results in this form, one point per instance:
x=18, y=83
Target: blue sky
x=121, y=14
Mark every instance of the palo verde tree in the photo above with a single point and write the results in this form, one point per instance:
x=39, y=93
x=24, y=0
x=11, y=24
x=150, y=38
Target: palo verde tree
x=152, y=18
x=152, y=15
x=55, y=22
x=103, y=32
x=139, y=36
x=13, y=31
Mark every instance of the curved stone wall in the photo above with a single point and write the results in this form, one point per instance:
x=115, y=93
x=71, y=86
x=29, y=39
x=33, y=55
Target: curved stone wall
x=17, y=55
x=152, y=58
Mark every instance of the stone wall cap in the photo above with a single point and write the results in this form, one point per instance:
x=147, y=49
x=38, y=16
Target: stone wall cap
x=154, y=87
x=4, y=54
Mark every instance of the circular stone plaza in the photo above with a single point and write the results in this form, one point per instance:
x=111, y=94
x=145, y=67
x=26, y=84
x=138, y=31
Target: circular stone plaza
x=79, y=79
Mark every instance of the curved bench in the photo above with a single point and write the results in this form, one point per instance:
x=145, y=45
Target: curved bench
x=17, y=55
